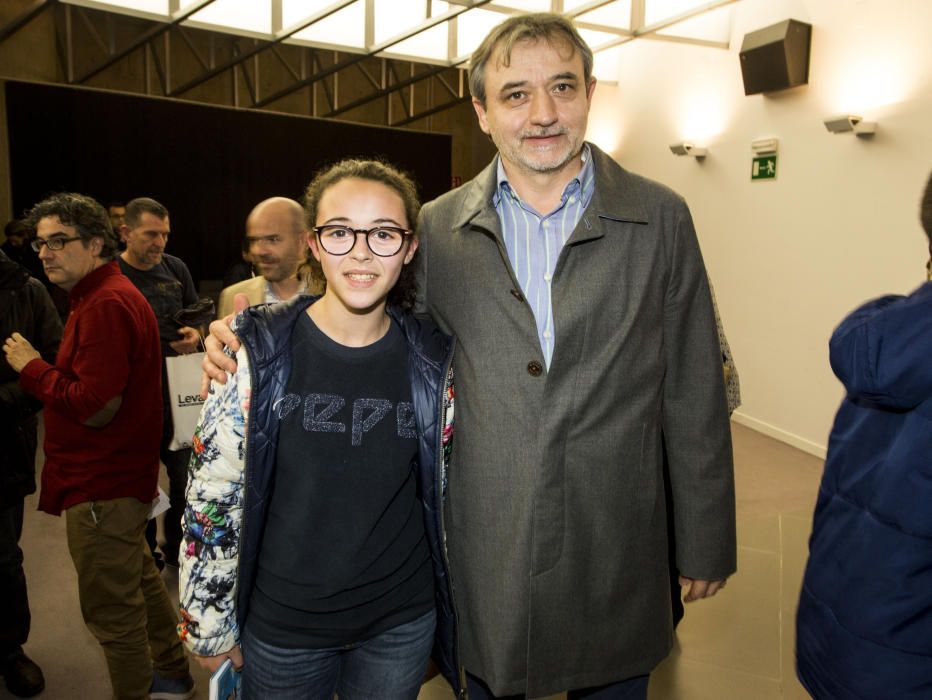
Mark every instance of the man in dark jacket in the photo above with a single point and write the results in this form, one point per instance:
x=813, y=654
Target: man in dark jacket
x=864, y=624
x=166, y=283
x=25, y=307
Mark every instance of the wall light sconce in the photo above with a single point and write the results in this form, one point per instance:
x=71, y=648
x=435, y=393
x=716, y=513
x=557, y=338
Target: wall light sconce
x=765, y=147
x=684, y=148
x=846, y=123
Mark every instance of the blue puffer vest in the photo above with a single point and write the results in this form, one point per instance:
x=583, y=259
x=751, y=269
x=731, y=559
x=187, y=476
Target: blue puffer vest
x=265, y=332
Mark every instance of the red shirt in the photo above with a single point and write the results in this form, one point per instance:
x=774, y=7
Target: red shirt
x=110, y=348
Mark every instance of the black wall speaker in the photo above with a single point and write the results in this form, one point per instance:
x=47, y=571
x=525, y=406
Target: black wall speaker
x=776, y=57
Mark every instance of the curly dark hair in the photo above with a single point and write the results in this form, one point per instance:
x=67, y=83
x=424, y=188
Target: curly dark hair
x=404, y=292
x=90, y=219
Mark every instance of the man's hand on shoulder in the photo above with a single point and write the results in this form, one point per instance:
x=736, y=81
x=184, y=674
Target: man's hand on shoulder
x=216, y=362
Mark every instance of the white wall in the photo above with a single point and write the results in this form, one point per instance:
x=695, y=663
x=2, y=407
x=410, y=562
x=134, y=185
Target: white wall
x=789, y=257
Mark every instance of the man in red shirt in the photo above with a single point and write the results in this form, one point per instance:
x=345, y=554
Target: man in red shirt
x=103, y=420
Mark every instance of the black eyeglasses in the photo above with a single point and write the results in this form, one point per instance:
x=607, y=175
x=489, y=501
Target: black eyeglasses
x=384, y=241
x=54, y=243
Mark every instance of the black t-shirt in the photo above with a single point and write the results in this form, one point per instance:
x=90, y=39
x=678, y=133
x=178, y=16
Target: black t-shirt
x=168, y=288
x=343, y=555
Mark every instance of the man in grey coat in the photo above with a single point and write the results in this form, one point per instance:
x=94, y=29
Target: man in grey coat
x=585, y=339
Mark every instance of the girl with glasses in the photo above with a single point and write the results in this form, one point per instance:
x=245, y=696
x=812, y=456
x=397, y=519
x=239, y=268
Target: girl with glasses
x=312, y=554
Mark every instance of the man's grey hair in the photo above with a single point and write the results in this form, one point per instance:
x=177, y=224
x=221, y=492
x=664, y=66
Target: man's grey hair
x=550, y=27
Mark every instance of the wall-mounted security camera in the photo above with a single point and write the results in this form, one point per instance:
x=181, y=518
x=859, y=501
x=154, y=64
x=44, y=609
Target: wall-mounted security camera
x=846, y=123
x=684, y=148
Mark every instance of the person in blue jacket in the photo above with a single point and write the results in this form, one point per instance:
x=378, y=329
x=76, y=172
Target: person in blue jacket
x=864, y=623
x=313, y=555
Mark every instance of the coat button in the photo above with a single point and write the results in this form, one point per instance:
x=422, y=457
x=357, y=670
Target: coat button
x=534, y=368
x=517, y=295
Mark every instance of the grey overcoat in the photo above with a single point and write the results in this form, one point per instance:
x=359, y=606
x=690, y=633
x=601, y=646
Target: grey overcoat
x=555, y=505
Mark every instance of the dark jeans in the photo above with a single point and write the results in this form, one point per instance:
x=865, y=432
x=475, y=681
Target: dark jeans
x=176, y=465
x=14, y=604
x=389, y=666
x=628, y=689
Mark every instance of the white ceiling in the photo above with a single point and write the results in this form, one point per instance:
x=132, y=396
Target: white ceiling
x=433, y=31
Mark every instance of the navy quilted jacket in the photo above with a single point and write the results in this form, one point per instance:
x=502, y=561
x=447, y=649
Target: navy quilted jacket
x=864, y=625
x=265, y=331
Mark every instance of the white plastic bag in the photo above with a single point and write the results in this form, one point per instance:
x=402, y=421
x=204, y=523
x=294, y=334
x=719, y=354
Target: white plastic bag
x=184, y=385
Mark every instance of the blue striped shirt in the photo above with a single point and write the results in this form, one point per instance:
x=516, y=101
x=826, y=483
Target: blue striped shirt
x=534, y=241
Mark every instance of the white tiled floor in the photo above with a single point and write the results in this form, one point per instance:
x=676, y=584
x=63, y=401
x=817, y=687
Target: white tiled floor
x=736, y=646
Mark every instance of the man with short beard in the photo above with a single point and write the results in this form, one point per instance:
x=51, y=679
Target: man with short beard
x=586, y=350
x=277, y=239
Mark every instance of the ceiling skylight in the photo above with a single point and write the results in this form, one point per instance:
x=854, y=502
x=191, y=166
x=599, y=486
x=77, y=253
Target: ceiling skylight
x=404, y=29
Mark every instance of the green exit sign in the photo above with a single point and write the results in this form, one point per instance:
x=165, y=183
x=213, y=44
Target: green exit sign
x=764, y=168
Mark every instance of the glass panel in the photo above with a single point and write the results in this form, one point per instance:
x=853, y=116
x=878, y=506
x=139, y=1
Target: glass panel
x=155, y=7
x=345, y=28
x=188, y=4
x=430, y=44
x=658, y=10
x=438, y=8
x=596, y=39
x=525, y=5
x=254, y=16
x=615, y=14
x=393, y=18
x=471, y=28
x=295, y=11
